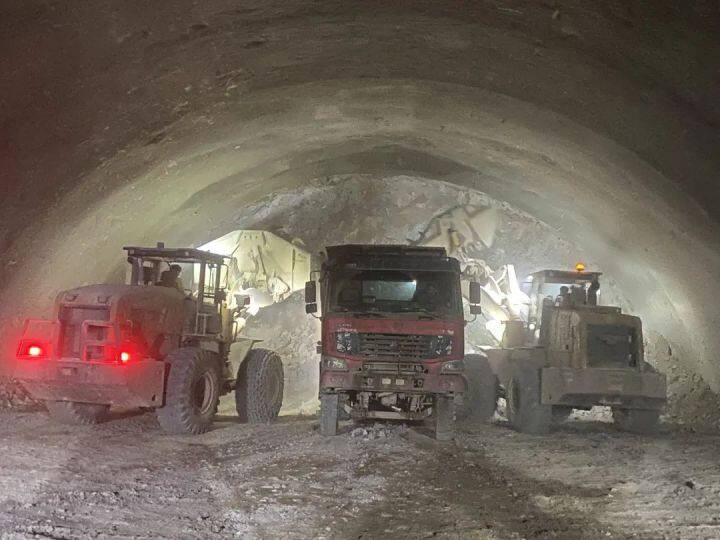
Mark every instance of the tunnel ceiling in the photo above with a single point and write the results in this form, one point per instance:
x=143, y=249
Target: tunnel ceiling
x=134, y=123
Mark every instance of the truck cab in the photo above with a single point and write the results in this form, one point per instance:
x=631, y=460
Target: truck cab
x=392, y=338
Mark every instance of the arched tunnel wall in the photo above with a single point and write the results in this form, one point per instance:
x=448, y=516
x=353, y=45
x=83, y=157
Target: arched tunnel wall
x=174, y=122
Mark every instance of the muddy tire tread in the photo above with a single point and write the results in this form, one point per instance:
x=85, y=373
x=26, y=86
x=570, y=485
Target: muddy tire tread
x=528, y=415
x=480, y=400
x=329, y=410
x=639, y=421
x=177, y=415
x=76, y=414
x=260, y=368
x=444, y=415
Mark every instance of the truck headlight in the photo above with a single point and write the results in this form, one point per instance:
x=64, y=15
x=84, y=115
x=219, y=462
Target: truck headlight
x=443, y=345
x=454, y=366
x=334, y=364
x=346, y=342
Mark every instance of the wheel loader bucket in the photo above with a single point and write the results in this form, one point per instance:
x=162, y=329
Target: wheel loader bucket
x=460, y=226
x=263, y=265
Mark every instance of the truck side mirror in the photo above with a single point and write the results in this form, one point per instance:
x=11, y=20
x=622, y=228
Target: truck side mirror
x=310, y=292
x=475, y=299
x=475, y=293
x=242, y=300
x=310, y=297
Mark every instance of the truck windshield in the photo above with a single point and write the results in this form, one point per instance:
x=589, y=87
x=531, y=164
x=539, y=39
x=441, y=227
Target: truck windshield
x=394, y=291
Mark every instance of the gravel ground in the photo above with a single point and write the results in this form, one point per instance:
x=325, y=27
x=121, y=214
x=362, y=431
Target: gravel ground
x=125, y=478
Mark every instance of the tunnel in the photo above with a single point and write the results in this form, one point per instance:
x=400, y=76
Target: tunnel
x=591, y=126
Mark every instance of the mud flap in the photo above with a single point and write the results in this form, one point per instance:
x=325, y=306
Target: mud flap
x=444, y=415
x=328, y=415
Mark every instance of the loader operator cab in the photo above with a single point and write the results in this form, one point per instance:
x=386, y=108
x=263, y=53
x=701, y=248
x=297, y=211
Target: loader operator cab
x=206, y=311
x=559, y=289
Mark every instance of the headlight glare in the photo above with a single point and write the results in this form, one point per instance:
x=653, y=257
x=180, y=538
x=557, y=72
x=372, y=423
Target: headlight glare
x=345, y=342
x=334, y=364
x=443, y=345
x=454, y=366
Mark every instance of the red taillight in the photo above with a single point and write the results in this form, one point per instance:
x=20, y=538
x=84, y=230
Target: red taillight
x=32, y=350
x=124, y=357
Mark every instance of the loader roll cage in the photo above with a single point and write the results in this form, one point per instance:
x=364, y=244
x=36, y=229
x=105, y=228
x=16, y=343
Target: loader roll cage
x=542, y=285
x=211, y=280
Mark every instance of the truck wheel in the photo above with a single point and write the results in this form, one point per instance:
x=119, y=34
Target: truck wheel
x=480, y=400
x=329, y=415
x=192, y=393
x=259, y=387
x=560, y=413
x=78, y=414
x=641, y=421
x=444, y=414
x=524, y=410
x=343, y=415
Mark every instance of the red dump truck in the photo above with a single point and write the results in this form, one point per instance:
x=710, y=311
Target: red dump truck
x=392, y=342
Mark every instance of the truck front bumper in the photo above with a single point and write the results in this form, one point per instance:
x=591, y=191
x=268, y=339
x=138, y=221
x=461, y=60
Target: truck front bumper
x=137, y=384
x=426, y=383
x=613, y=387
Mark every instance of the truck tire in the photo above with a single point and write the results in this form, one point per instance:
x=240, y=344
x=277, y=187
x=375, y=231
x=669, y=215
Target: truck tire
x=259, y=387
x=560, y=413
x=343, y=415
x=524, y=410
x=480, y=400
x=329, y=415
x=77, y=414
x=192, y=392
x=444, y=414
x=640, y=421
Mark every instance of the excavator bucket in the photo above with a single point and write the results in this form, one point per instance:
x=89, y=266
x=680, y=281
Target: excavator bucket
x=263, y=266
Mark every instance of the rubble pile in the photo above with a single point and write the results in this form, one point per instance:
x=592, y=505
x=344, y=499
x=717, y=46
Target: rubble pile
x=14, y=397
x=691, y=401
x=286, y=329
x=378, y=431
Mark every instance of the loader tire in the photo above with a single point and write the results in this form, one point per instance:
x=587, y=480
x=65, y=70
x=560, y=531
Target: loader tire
x=640, y=421
x=76, y=414
x=329, y=408
x=192, y=392
x=259, y=387
x=480, y=399
x=524, y=411
x=560, y=413
x=444, y=417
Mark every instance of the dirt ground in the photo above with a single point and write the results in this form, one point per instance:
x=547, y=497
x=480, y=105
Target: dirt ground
x=125, y=479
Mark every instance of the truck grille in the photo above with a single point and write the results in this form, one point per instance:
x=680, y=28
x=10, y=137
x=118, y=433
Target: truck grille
x=394, y=368
x=409, y=346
